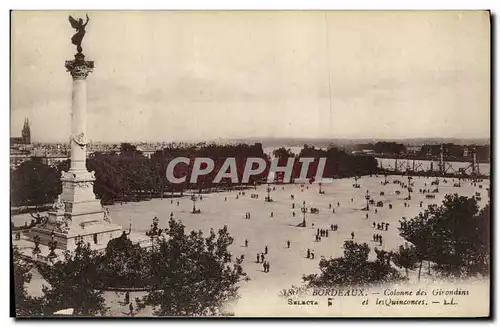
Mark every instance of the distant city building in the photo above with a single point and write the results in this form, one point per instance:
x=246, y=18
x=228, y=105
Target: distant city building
x=20, y=146
x=146, y=151
x=17, y=157
x=26, y=132
x=25, y=138
x=22, y=149
x=50, y=159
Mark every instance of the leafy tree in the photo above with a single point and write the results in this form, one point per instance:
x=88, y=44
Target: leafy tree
x=124, y=264
x=193, y=275
x=418, y=231
x=354, y=269
x=381, y=269
x=389, y=148
x=283, y=153
x=109, y=172
x=406, y=257
x=34, y=183
x=483, y=152
x=454, y=236
x=74, y=283
x=338, y=163
x=139, y=174
x=25, y=305
x=480, y=261
x=130, y=150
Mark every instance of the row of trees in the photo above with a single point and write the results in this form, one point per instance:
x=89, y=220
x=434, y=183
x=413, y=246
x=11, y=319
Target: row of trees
x=34, y=184
x=454, y=240
x=218, y=153
x=339, y=163
x=184, y=274
x=128, y=175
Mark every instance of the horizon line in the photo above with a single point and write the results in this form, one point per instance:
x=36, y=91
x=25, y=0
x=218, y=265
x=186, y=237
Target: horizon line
x=255, y=138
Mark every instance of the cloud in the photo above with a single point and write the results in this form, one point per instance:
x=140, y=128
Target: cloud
x=166, y=75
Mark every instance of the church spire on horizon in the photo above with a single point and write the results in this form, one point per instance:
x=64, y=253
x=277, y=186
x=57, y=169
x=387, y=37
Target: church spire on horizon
x=26, y=132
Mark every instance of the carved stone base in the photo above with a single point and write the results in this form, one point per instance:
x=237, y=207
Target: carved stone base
x=77, y=214
x=98, y=236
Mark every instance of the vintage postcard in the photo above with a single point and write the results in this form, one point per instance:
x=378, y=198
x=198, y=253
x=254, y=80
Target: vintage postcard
x=250, y=163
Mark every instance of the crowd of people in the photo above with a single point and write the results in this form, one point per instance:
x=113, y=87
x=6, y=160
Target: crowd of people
x=370, y=206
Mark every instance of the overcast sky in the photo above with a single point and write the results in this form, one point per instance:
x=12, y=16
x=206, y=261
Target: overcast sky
x=204, y=75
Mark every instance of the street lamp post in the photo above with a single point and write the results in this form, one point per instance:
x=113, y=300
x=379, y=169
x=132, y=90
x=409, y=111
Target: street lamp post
x=409, y=187
x=268, y=198
x=193, y=198
x=154, y=231
x=304, y=210
x=367, y=197
x=52, y=246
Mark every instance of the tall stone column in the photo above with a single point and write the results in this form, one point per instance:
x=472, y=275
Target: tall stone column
x=79, y=70
x=77, y=213
x=78, y=182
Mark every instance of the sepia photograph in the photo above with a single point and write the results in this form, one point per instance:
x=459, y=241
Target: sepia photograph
x=306, y=163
